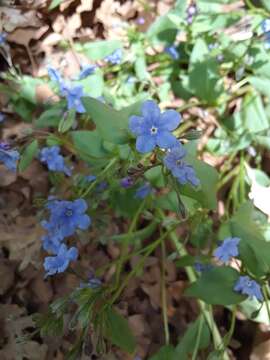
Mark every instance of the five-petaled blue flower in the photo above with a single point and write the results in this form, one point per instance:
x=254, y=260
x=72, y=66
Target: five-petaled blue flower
x=8, y=156
x=67, y=216
x=54, y=75
x=54, y=161
x=153, y=128
x=143, y=191
x=60, y=262
x=172, y=51
x=73, y=96
x=86, y=70
x=115, y=58
x=246, y=286
x=228, y=249
x=183, y=172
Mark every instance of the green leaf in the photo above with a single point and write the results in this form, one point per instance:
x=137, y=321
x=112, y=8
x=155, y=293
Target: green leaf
x=88, y=145
x=254, y=250
x=50, y=117
x=166, y=352
x=188, y=341
x=205, y=81
x=118, y=331
x=208, y=176
x=28, y=86
x=28, y=155
x=93, y=85
x=253, y=113
x=54, y=4
x=67, y=121
x=261, y=84
x=190, y=260
x=266, y=4
x=215, y=287
x=163, y=30
x=98, y=50
x=111, y=124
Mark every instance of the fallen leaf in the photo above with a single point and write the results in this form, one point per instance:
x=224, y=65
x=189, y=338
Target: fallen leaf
x=24, y=36
x=14, y=18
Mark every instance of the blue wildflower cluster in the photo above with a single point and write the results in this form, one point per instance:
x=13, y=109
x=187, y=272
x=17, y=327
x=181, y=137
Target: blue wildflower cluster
x=183, y=172
x=73, y=94
x=245, y=285
x=51, y=157
x=65, y=218
x=9, y=157
x=115, y=58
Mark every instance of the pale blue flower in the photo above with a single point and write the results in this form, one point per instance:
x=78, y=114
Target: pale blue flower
x=183, y=172
x=54, y=160
x=153, y=128
x=54, y=75
x=8, y=156
x=60, y=262
x=143, y=191
x=228, y=249
x=246, y=286
x=86, y=70
x=115, y=58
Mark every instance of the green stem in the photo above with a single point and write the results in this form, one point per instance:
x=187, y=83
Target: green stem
x=198, y=338
x=139, y=265
x=125, y=243
x=103, y=172
x=265, y=296
x=207, y=313
x=163, y=295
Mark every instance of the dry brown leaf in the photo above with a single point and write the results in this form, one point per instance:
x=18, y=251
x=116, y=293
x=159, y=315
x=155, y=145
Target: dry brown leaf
x=6, y=276
x=24, y=36
x=7, y=177
x=14, y=18
x=22, y=239
x=86, y=5
x=15, y=324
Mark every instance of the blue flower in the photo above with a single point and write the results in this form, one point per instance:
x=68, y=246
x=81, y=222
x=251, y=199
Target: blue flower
x=86, y=71
x=2, y=117
x=115, y=58
x=153, y=128
x=228, y=249
x=67, y=216
x=3, y=37
x=60, y=262
x=54, y=161
x=192, y=10
x=54, y=75
x=266, y=25
x=73, y=96
x=8, y=156
x=143, y=191
x=172, y=51
x=246, y=286
x=52, y=240
x=90, y=178
x=183, y=172
x=126, y=182
x=140, y=21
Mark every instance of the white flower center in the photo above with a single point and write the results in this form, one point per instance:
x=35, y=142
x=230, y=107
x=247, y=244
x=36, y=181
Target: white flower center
x=153, y=130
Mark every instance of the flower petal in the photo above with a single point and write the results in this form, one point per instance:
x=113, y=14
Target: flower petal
x=170, y=120
x=136, y=125
x=166, y=140
x=145, y=144
x=150, y=109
